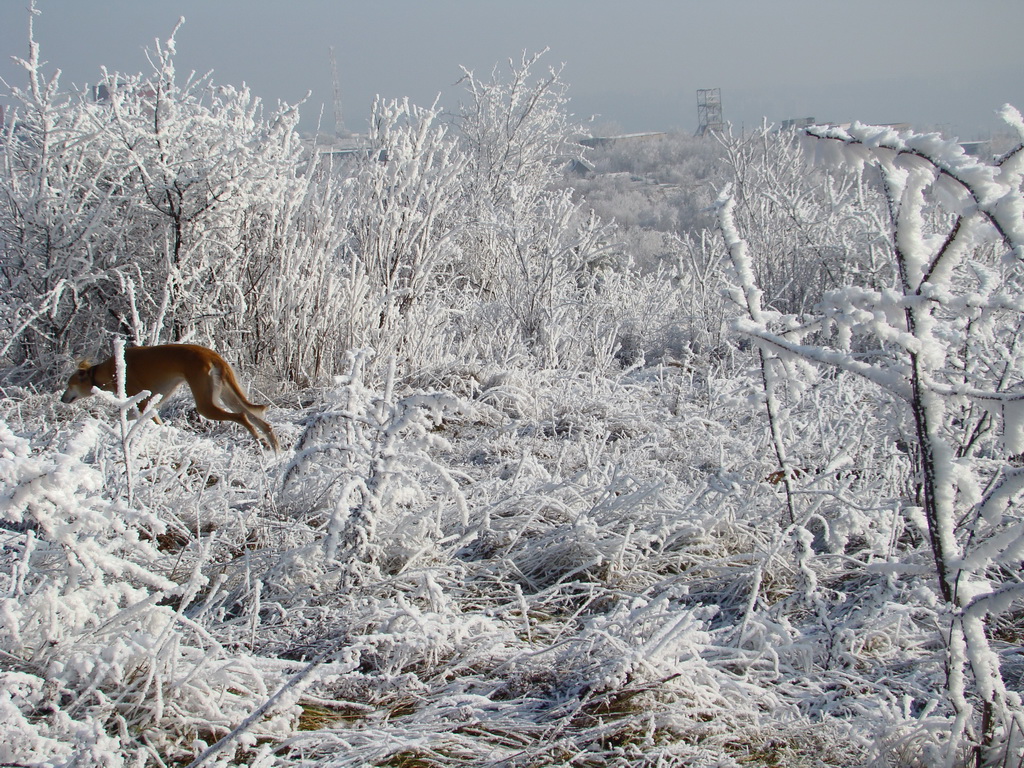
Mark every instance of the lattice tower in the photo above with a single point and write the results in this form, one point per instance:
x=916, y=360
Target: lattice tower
x=709, y=111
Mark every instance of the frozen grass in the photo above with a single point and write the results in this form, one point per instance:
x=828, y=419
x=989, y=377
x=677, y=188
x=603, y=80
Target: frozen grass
x=595, y=519
x=513, y=567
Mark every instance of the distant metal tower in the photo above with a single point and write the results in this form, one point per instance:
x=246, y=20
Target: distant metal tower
x=709, y=110
x=339, y=122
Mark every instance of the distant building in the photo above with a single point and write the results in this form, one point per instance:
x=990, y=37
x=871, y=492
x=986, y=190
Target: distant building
x=102, y=93
x=980, y=149
x=580, y=166
x=796, y=123
x=604, y=141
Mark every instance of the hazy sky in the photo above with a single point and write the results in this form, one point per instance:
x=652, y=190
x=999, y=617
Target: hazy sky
x=635, y=64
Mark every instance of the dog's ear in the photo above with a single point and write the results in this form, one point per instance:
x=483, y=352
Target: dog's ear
x=84, y=365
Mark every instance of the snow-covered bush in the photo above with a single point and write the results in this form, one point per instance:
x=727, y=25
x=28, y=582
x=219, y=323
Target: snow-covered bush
x=939, y=340
x=105, y=657
x=304, y=300
x=61, y=190
x=208, y=176
x=402, y=207
x=145, y=209
x=362, y=472
x=811, y=228
x=531, y=253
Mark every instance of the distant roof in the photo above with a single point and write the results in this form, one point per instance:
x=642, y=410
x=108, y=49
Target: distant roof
x=595, y=141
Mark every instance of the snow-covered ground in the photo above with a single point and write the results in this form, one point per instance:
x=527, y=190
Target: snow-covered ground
x=734, y=481
x=508, y=567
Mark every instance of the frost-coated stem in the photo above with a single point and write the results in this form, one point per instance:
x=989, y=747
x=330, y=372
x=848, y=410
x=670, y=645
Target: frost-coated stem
x=922, y=275
x=261, y=710
x=906, y=202
x=935, y=464
x=748, y=295
x=122, y=416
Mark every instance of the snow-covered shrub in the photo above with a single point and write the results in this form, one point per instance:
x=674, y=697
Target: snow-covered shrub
x=402, y=208
x=105, y=656
x=208, y=174
x=305, y=301
x=518, y=133
x=530, y=252
x=940, y=341
x=60, y=194
x=362, y=475
x=810, y=228
x=145, y=209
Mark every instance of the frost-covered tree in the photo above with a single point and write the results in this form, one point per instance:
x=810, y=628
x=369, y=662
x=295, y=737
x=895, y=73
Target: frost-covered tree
x=63, y=204
x=157, y=211
x=940, y=340
x=531, y=252
x=209, y=175
x=401, y=207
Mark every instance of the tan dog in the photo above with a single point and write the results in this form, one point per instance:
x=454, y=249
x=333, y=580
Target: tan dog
x=161, y=369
